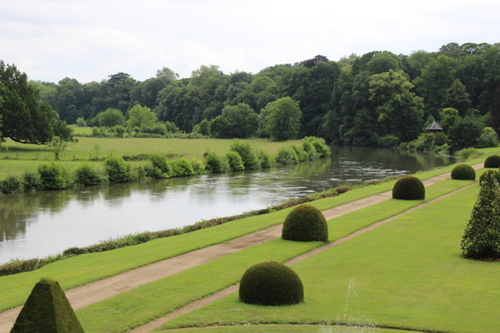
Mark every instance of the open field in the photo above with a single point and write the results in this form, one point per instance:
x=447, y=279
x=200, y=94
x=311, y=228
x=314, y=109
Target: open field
x=406, y=274
x=17, y=158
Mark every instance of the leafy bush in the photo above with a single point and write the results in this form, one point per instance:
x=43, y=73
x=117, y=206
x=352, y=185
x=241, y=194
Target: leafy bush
x=488, y=138
x=286, y=155
x=465, y=153
x=80, y=122
x=310, y=149
x=492, y=161
x=159, y=161
x=440, y=139
x=32, y=181
x=117, y=170
x=483, y=176
x=463, y=172
x=408, y=188
x=301, y=153
x=322, y=150
x=265, y=159
x=271, y=283
x=181, y=167
x=198, y=166
x=215, y=163
x=247, y=154
x=11, y=184
x=388, y=141
x=86, y=175
x=54, y=176
x=305, y=223
x=481, y=239
x=235, y=161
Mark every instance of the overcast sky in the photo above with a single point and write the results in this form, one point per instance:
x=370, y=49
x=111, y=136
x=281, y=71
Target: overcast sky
x=91, y=39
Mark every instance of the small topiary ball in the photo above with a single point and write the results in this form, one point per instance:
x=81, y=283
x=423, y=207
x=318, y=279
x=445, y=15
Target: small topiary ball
x=463, y=172
x=271, y=283
x=408, y=188
x=492, y=161
x=305, y=223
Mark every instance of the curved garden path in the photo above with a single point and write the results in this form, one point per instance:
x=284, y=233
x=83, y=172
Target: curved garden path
x=96, y=291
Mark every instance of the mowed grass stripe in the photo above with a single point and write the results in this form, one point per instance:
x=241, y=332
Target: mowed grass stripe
x=122, y=310
x=406, y=274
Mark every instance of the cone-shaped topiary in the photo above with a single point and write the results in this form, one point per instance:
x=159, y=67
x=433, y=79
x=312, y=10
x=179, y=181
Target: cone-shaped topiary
x=271, y=283
x=483, y=176
x=463, y=172
x=47, y=310
x=305, y=223
x=492, y=161
x=408, y=188
x=481, y=239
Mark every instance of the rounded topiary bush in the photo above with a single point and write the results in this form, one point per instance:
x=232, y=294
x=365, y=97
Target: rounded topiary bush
x=408, y=188
x=271, y=283
x=492, y=161
x=463, y=172
x=305, y=223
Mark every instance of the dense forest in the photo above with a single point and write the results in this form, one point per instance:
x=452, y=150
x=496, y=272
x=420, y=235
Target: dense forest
x=377, y=99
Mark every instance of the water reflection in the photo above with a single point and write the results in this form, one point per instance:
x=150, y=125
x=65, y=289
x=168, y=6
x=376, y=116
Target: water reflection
x=40, y=224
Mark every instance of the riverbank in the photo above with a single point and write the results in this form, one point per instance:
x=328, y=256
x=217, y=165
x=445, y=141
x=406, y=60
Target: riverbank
x=349, y=197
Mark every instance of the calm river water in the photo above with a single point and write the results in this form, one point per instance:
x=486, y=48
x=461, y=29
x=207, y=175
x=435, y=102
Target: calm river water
x=40, y=224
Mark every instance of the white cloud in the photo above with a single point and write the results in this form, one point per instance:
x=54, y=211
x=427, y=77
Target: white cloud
x=89, y=40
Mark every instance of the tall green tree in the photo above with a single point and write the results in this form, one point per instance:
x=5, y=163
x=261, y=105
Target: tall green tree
x=448, y=116
x=283, y=119
x=465, y=133
x=495, y=110
x=27, y=119
x=397, y=105
x=457, y=97
x=242, y=121
x=141, y=116
x=110, y=118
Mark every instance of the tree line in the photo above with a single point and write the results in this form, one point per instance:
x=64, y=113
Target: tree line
x=378, y=98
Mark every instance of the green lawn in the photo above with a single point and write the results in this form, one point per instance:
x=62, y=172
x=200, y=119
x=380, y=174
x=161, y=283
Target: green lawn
x=405, y=274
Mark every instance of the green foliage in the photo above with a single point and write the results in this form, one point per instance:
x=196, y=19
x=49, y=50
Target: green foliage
x=408, y=188
x=266, y=160
x=54, y=176
x=463, y=172
x=271, y=283
x=47, y=310
x=488, y=138
x=320, y=147
x=492, y=161
x=215, y=163
x=181, y=167
x=305, y=223
x=465, y=133
x=465, y=154
x=449, y=116
x=110, y=118
x=286, y=155
x=117, y=170
x=86, y=175
x=198, y=166
x=247, y=154
x=481, y=239
x=159, y=163
x=141, y=116
x=241, y=120
x=80, y=122
x=57, y=146
x=301, y=153
x=440, y=139
x=389, y=141
x=483, y=176
x=310, y=149
x=283, y=119
x=11, y=184
x=32, y=181
x=235, y=161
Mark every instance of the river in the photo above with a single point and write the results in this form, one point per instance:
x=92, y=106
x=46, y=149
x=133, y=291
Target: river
x=46, y=223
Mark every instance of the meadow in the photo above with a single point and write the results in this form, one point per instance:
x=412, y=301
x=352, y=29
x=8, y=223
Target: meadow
x=404, y=275
x=17, y=158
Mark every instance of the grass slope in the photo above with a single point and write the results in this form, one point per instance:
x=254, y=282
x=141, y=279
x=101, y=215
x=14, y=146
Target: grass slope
x=405, y=274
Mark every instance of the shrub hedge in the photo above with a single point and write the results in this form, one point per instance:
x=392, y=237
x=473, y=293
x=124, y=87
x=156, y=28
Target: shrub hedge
x=463, y=172
x=305, y=223
x=408, y=188
x=492, y=161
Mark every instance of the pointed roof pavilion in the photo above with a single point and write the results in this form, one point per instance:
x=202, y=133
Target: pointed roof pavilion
x=434, y=128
